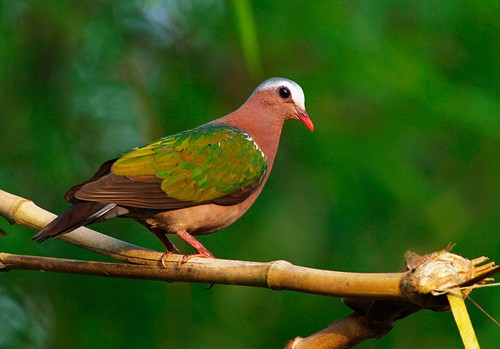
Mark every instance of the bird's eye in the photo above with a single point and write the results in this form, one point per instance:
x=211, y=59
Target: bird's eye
x=284, y=92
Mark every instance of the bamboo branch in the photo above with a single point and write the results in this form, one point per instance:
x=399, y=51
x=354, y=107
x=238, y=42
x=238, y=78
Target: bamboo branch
x=24, y=212
x=437, y=274
x=379, y=299
x=344, y=333
x=277, y=275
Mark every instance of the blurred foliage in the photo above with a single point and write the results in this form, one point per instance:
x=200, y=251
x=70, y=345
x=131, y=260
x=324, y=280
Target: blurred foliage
x=405, y=99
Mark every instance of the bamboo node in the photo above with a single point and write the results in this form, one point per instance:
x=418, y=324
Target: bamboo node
x=430, y=274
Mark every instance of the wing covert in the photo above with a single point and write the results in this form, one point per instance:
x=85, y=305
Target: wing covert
x=194, y=166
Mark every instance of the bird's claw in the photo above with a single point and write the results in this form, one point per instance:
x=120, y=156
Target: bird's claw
x=185, y=258
x=200, y=254
x=164, y=258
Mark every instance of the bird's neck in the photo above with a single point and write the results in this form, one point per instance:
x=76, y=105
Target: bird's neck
x=263, y=128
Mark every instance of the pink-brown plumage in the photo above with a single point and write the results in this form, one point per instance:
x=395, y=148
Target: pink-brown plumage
x=111, y=193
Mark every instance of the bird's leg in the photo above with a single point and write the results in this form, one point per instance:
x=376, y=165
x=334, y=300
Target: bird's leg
x=160, y=234
x=193, y=242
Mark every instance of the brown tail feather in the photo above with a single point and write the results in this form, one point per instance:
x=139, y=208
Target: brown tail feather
x=80, y=214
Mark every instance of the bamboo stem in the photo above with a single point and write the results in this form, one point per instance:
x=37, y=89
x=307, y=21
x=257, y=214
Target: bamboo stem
x=24, y=212
x=343, y=333
x=400, y=293
x=277, y=275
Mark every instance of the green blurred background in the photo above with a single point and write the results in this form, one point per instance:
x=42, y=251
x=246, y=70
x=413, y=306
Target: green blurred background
x=405, y=99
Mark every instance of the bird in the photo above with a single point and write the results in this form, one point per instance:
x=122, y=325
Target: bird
x=194, y=182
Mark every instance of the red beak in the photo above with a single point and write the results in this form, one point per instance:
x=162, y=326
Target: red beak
x=302, y=114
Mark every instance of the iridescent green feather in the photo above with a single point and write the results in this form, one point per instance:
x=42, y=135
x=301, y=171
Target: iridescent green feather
x=198, y=165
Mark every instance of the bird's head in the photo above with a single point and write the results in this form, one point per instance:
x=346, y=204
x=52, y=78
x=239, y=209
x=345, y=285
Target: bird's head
x=285, y=97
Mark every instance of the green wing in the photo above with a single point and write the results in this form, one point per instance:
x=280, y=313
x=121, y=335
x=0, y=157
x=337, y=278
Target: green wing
x=198, y=165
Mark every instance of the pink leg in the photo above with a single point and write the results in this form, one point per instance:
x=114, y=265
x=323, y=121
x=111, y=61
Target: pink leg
x=193, y=242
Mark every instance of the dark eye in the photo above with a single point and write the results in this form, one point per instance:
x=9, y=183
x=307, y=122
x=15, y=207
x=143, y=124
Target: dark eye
x=284, y=92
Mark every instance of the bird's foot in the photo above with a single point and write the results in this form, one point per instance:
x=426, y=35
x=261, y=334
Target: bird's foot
x=202, y=253
x=185, y=258
x=164, y=258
